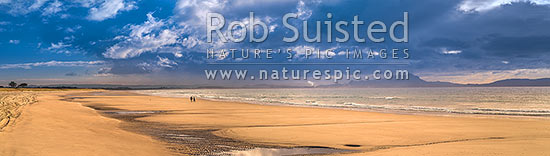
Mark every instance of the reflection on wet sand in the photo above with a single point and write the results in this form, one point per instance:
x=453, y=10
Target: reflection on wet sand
x=282, y=151
x=196, y=141
x=231, y=128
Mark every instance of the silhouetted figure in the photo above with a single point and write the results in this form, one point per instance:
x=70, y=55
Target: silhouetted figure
x=194, y=99
x=191, y=98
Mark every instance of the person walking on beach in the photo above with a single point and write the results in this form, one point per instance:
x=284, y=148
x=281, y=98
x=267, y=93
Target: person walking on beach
x=191, y=98
x=194, y=99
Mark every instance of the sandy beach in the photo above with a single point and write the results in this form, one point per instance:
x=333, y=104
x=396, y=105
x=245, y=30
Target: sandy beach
x=52, y=126
x=126, y=123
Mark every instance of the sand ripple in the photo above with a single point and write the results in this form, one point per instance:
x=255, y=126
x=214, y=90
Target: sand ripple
x=11, y=104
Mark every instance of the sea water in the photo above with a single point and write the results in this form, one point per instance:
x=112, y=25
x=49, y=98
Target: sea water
x=508, y=101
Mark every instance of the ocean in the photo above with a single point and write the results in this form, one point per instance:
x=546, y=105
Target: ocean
x=507, y=101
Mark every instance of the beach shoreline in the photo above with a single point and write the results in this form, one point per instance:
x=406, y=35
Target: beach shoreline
x=486, y=102
x=367, y=132
x=180, y=127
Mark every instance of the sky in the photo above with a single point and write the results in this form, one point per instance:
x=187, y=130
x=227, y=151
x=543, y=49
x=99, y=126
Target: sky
x=163, y=42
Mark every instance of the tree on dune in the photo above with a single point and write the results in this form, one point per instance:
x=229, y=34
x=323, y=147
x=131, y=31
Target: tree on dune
x=22, y=85
x=13, y=84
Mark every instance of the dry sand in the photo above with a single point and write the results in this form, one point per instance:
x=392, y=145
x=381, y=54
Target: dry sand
x=11, y=105
x=62, y=128
x=54, y=127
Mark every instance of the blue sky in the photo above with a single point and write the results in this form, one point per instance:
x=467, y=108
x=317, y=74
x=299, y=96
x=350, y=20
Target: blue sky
x=164, y=41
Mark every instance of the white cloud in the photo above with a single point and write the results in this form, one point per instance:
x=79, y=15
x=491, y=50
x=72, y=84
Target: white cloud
x=156, y=66
x=165, y=62
x=195, y=10
x=87, y=3
x=53, y=8
x=311, y=83
x=109, y=9
x=145, y=66
x=301, y=49
x=480, y=77
x=190, y=16
x=147, y=37
x=450, y=52
x=303, y=11
x=104, y=72
x=185, y=29
x=99, y=10
x=59, y=47
x=147, y=27
x=190, y=42
x=484, y=5
x=52, y=64
x=15, y=41
x=73, y=29
x=37, y=4
x=23, y=7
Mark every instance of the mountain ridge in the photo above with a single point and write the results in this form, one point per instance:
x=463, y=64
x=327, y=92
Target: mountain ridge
x=416, y=81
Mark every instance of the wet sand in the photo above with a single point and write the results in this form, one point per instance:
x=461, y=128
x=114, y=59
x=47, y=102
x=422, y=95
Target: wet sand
x=208, y=127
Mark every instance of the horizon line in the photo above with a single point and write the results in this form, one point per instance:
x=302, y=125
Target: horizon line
x=305, y=63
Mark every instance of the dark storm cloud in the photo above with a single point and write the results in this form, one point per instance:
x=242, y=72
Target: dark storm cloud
x=484, y=38
x=145, y=37
x=513, y=32
x=71, y=74
x=528, y=46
